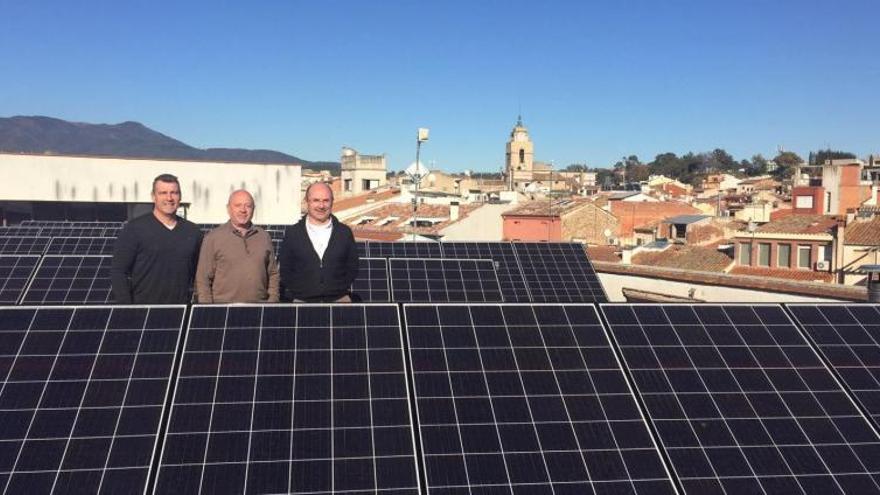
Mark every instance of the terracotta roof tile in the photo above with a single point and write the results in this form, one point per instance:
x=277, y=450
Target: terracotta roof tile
x=799, y=275
x=800, y=224
x=603, y=253
x=864, y=233
x=696, y=258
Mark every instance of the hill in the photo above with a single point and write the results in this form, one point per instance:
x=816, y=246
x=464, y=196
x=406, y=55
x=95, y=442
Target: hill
x=50, y=136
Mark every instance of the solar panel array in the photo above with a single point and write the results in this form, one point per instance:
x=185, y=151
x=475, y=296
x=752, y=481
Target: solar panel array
x=83, y=396
x=71, y=279
x=372, y=283
x=849, y=338
x=15, y=272
x=291, y=399
x=526, y=399
x=443, y=280
x=81, y=245
x=742, y=403
x=23, y=244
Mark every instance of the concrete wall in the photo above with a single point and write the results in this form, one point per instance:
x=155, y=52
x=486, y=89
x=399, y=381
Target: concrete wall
x=614, y=284
x=205, y=185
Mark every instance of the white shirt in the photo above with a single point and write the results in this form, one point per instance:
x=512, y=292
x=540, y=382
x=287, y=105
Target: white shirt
x=320, y=236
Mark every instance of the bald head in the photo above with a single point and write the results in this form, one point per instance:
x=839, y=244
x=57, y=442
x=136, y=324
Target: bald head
x=319, y=203
x=240, y=208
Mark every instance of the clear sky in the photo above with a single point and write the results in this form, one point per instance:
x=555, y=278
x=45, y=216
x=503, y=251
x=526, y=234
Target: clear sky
x=594, y=80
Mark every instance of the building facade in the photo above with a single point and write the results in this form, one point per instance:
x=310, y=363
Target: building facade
x=520, y=157
x=362, y=173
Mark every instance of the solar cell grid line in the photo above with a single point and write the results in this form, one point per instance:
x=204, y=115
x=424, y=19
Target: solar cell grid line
x=510, y=276
x=742, y=402
x=371, y=284
x=379, y=249
x=83, y=395
x=71, y=279
x=558, y=272
x=75, y=232
x=285, y=398
x=518, y=398
x=23, y=244
x=81, y=245
x=15, y=272
x=443, y=280
x=362, y=249
x=848, y=335
x=20, y=231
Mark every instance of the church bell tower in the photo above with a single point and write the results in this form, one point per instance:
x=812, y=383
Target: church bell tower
x=520, y=156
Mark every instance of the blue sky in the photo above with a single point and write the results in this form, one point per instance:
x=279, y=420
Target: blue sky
x=594, y=80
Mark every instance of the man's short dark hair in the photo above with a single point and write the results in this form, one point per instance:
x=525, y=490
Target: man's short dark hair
x=165, y=178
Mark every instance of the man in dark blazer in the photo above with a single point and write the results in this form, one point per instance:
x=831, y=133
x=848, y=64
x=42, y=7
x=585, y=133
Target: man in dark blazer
x=318, y=257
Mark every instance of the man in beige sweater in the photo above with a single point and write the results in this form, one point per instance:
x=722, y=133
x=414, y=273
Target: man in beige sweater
x=237, y=262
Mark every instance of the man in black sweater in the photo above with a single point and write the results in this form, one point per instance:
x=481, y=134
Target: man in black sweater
x=318, y=256
x=155, y=255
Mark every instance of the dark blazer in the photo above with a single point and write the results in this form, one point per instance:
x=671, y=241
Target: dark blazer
x=306, y=277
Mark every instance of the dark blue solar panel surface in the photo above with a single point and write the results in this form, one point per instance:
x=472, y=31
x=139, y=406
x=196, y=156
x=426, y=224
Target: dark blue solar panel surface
x=558, y=272
x=371, y=284
x=15, y=272
x=510, y=277
x=23, y=244
x=849, y=337
x=71, y=280
x=362, y=249
x=526, y=399
x=443, y=280
x=404, y=249
x=81, y=245
x=291, y=399
x=742, y=403
x=82, y=396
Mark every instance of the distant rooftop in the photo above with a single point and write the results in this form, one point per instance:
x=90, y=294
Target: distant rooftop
x=800, y=224
x=545, y=208
x=686, y=219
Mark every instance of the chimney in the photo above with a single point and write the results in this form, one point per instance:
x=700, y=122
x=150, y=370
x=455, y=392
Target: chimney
x=453, y=211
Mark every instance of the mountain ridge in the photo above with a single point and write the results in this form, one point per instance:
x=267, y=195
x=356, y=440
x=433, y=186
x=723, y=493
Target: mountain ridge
x=52, y=136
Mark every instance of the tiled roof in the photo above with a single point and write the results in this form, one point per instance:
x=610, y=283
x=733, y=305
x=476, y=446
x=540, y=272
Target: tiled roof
x=341, y=204
x=403, y=214
x=637, y=213
x=374, y=235
x=800, y=224
x=685, y=219
x=695, y=258
x=863, y=233
x=799, y=275
x=603, y=253
x=544, y=208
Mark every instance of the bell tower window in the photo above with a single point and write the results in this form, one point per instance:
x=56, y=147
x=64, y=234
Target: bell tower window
x=522, y=156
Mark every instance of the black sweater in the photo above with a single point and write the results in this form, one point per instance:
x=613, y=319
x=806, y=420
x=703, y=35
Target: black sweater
x=306, y=277
x=155, y=265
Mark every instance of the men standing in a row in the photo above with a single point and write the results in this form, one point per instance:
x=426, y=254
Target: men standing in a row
x=154, y=258
x=319, y=259
x=237, y=262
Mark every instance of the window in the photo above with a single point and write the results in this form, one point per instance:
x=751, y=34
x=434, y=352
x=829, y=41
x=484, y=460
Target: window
x=783, y=257
x=828, y=202
x=745, y=253
x=804, y=253
x=348, y=184
x=764, y=254
x=803, y=202
x=522, y=156
x=826, y=254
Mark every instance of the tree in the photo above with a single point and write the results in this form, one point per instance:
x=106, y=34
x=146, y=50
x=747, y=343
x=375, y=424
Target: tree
x=759, y=164
x=820, y=156
x=576, y=167
x=786, y=162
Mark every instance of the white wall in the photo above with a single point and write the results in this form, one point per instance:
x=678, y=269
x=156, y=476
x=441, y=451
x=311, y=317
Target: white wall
x=614, y=284
x=205, y=185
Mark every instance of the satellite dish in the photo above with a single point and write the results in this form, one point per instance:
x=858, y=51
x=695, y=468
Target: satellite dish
x=417, y=171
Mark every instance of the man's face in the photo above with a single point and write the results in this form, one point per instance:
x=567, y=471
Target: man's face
x=166, y=197
x=241, y=209
x=319, y=203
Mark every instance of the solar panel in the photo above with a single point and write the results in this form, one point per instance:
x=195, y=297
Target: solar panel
x=526, y=399
x=404, y=250
x=20, y=231
x=15, y=272
x=849, y=337
x=362, y=249
x=71, y=280
x=443, y=280
x=78, y=232
x=290, y=399
x=371, y=284
x=81, y=245
x=23, y=244
x=510, y=277
x=742, y=403
x=82, y=396
x=558, y=272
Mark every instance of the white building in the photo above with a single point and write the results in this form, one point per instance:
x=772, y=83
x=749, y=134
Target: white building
x=361, y=173
x=205, y=186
